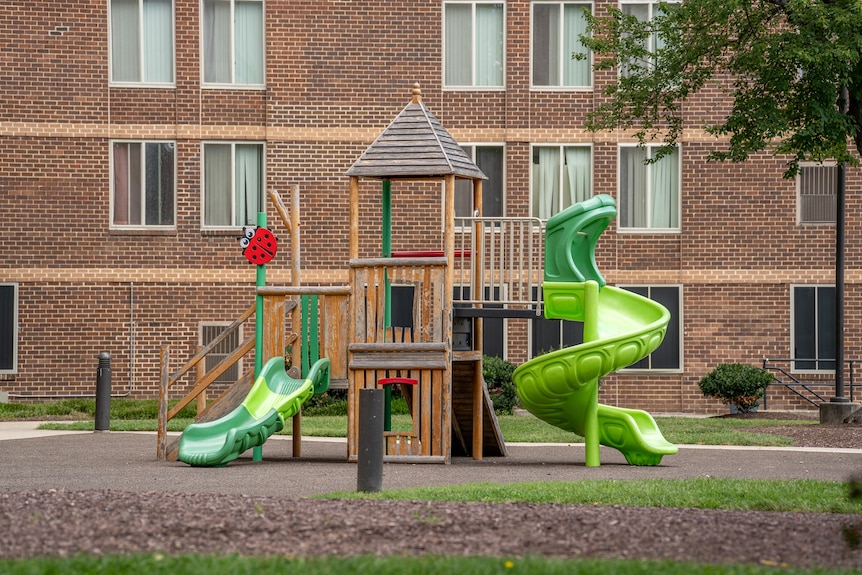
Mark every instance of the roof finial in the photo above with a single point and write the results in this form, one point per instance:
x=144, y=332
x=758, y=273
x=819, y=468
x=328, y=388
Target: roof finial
x=417, y=93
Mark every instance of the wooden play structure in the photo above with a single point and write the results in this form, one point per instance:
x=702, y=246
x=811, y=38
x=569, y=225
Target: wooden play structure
x=491, y=261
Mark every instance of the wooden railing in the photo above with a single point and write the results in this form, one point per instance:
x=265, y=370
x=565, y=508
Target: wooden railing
x=202, y=379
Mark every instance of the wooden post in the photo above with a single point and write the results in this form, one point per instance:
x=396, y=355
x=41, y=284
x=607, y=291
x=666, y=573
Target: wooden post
x=354, y=217
x=478, y=344
x=201, y=402
x=296, y=317
x=448, y=287
x=162, y=440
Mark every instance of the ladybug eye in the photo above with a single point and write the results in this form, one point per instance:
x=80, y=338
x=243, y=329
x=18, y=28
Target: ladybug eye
x=243, y=242
x=249, y=233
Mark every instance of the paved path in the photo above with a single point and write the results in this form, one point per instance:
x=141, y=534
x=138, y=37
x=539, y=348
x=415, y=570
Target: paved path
x=39, y=460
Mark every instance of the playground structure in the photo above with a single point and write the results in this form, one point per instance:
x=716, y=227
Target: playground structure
x=493, y=266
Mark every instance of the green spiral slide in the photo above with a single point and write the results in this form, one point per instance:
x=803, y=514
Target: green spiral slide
x=274, y=397
x=620, y=328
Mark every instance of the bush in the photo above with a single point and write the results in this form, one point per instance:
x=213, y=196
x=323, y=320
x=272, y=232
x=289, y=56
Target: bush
x=736, y=384
x=498, y=375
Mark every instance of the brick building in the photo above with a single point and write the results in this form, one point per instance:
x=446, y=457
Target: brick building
x=140, y=135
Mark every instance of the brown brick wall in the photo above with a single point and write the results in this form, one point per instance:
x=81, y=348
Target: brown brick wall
x=330, y=91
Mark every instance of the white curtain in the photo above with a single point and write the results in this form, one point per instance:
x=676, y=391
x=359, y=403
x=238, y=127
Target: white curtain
x=633, y=188
x=489, y=44
x=546, y=182
x=249, y=183
x=459, y=35
x=664, y=182
x=217, y=185
x=217, y=61
x=158, y=41
x=125, y=42
x=578, y=175
x=249, y=42
x=575, y=72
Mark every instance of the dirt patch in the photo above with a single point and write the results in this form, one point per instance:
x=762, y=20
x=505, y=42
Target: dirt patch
x=60, y=523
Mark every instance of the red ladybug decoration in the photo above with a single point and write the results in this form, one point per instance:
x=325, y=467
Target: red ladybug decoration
x=258, y=245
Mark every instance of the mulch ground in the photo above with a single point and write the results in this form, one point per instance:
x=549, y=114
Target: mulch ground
x=64, y=523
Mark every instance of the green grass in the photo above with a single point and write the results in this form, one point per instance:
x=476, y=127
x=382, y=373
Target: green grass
x=140, y=415
x=798, y=496
x=792, y=496
x=158, y=564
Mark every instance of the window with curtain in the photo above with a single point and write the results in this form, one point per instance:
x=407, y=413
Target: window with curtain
x=649, y=195
x=8, y=328
x=142, y=41
x=561, y=176
x=233, y=43
x=555, y=38
x=233, y=184
x=813, y=330
x=473, y=44
x=143, y=190
x=490, y=160
x=669, y=353
x=643, y=10
x=816, y=189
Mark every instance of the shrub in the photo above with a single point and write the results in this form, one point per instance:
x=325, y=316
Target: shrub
x=498, y=375
x=736, y=384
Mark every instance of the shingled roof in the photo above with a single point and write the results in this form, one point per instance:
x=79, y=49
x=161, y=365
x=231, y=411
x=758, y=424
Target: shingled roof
x=415, y=146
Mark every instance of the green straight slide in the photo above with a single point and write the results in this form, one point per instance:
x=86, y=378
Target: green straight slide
x=274, y=397
x=620, y=328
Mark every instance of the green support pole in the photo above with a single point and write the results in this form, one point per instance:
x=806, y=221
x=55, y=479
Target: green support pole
x=591, y=333
x=257, y=452
x=387, y=318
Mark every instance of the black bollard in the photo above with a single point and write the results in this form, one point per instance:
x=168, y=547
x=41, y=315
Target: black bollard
x=103, y=393
x=369, y=469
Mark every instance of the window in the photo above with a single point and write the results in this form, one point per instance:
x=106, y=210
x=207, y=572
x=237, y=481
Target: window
x=493, y=328
x=562, y=176
x=552, y=334
x=813, y=330
x=556, y=30
x=816, y=189
x=490, y=160
x=233, y=184
x=644, y=11
x=233, y=44
x=669, y=353
x=142, y=41
x=143, y=184
x=473, y=44
x=8, y=328
x=649, y=196
x=207, y=333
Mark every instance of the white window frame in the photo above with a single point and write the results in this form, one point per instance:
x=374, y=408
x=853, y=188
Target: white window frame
x=233, y=216
x=649, y=193
x=561, y=149
x=14, y=322
x=800, y=215
x=793, y=367
x=141, y=83
x=143, y=225
x=563, y=56
x=232, y=84
x=677, y=315
x=473, y=86
x=651, y=6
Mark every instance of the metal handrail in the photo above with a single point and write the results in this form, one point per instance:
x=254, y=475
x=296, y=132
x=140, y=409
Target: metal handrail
x=769, y=364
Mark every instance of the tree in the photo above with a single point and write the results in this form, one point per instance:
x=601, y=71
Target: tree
x=793, y=69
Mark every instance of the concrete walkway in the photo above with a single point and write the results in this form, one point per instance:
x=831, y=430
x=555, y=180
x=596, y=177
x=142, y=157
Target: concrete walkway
x=84, y=460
